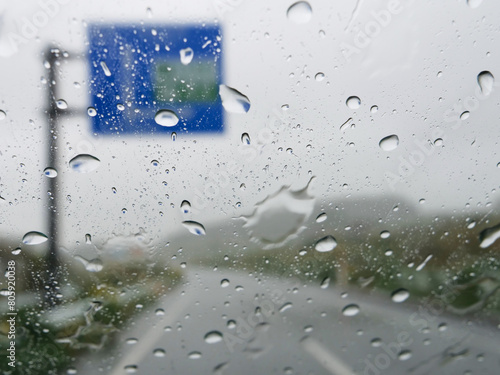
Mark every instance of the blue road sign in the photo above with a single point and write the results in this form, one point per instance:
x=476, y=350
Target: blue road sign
x=138, y=70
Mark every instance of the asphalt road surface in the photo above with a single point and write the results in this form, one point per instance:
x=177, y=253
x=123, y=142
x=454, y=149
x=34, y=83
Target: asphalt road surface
x=273, y=326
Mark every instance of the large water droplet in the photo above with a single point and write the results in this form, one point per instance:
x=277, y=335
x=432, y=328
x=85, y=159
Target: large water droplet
x=185, y=207
x=400, y=295
x=489, y=236
x=353, y=102
x=385, y=234
x=299, y=12
x=326, y=244
x=389, y=143
x=319, y=77
x=61, y=104
x=404, y=355
x=194, y=227
x=474, y=3
x=105, y=69
x=285, y=307
x=84, y=163
x=16, y=251
x=321, y=217
x=159, y=353
x=34, y=238
x=187, y=55
x=245, y=139
x=166, y=117
x=486, y=82
x=50, y=172
x=280, y=217
x=350, y=310
x=93, y=265
x=194, y=355
x=233, y=100
x=130, y=369
x=325, y=283
x=421, y=266
x=213, y=337
x=91, y=111
x=3, y=115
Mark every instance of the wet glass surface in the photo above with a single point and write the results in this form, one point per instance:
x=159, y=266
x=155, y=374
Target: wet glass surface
x=233, y=186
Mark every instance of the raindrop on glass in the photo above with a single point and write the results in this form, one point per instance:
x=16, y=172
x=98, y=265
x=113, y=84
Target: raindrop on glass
x=400, y=295
x=389, y=143
x=130, y=369
x=166, y=117
x=325, y=283
x=486, y=81
x=299, y=12
x=61, y=104
x=91, y=111
x=319, y=77
x=50, y=172
x=159, y=353
x=213, y=337
x=285, y=307
x=185, y=207
x=404, y=355
x=194, y=355
x=488, y=236
x=105, y=69
x=233, y=101
x=353, y=102
x=385, y=234
x=34, y=238
x=84, y=163
x=194, y=227
x=325, y=244
x=245, y=139
x=187, y=55
x=321, y=217
x=94, y=265
x=350, y=310
x=474, y=3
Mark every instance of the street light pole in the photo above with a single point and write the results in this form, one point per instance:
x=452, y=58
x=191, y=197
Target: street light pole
x=53, y=268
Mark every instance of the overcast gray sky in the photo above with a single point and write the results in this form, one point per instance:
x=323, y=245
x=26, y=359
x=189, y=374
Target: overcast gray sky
x=418, y=66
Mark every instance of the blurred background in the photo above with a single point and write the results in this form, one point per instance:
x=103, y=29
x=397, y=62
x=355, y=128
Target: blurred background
x=172, y=167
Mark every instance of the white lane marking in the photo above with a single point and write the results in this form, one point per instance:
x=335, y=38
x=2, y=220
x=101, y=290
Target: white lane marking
x=137, y=354
x=326, y=358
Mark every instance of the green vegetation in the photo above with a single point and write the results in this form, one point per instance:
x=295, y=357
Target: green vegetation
x=92, y=308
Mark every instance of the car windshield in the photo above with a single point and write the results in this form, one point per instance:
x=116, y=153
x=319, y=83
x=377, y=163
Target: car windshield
x=234, y=186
